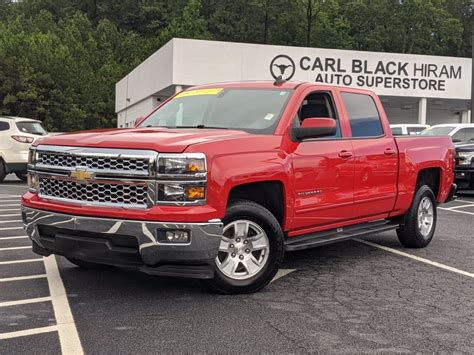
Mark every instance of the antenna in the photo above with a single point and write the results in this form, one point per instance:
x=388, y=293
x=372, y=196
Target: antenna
x=279, y=81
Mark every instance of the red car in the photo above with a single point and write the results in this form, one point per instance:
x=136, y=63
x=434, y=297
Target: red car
x=221, y=180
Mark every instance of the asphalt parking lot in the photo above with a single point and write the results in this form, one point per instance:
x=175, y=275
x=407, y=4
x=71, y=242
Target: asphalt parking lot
x=358, y=296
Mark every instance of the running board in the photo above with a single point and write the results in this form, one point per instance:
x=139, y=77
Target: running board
x=338, y=235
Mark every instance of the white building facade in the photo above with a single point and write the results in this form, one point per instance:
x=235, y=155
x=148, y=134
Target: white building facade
x=413, y=88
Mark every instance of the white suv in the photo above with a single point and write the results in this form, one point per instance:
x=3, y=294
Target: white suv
x=16, y=136
x=459, y=132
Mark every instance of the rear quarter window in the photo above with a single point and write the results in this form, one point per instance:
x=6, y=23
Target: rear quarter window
x=4, y=126
x=363, y=115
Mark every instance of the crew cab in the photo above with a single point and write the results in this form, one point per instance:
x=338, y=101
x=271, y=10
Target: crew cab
x=221, y=180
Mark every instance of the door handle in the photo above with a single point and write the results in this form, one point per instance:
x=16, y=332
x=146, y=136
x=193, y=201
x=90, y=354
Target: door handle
x=390, y=151
x=345, y=154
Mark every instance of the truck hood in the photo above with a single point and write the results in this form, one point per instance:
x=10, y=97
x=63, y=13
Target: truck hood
x=158, y=139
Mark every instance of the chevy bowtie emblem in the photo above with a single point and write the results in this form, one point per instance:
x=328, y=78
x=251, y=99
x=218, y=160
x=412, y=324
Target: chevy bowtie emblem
x=81, y=175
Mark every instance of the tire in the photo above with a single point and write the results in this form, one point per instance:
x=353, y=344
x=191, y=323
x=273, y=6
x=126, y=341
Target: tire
x=87, y=265
x=3, y=171
x=263, y=243
x=411, y=235
x=21, y=176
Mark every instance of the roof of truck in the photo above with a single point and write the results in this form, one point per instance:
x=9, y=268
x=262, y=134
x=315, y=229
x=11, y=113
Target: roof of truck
x=18, y=119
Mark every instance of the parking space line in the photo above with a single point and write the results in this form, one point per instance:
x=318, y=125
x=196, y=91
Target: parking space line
x=417, y=258
x=13, y=200
x=10, y=209
x=16, y=248
x=458, y=200
x=27, y=301
x=21, y=278
x=450, y=210
x=20, y=261
x=22, y=333
x=68, y=336
x=17, y=237
x=9, y=195
x=462, y=206
x=10, y=228
x=281, y=273
x=11, y=204
x=9, y=215
x=11, y=221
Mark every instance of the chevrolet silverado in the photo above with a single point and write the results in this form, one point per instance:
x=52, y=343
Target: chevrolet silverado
x=220, y=180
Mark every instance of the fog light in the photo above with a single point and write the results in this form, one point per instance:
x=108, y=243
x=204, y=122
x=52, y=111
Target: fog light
x=195, y=192
x=175, y=236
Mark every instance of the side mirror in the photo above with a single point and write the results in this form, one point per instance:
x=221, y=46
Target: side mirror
x=139, y=121
x=457, y=141
x=315, y=128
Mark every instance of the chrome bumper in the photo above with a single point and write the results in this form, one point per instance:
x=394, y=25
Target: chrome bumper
x=74, y=232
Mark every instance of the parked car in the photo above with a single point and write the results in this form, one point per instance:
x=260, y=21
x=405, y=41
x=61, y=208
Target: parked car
x=465, y=166
x=459, y=132
x=16, y=136
x=221, y=180
x=407, y=129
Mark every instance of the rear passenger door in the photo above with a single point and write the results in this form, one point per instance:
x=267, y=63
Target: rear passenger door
x=376, y=157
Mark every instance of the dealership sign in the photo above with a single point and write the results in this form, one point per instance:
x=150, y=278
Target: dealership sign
x=386, y=74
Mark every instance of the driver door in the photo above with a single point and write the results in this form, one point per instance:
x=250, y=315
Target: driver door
x=323, y=170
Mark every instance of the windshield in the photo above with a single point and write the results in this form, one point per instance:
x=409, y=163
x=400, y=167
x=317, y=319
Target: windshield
x=437, y=131
x=31, y=127
x=252, y=110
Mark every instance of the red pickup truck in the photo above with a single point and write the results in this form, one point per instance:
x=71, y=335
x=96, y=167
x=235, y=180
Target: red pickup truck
x=220, y=180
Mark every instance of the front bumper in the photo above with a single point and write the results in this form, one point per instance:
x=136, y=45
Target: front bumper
x=125, y=243
x=464, y=178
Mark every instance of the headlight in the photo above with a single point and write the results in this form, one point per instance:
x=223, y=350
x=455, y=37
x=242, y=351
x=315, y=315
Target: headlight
x=179, y=164
x=182, y=178
x=465, y=158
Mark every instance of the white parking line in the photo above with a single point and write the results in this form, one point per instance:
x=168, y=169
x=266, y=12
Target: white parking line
x=68, y=336
x=20, y=261
x=11, y=221
x=22, y=333
x=461, y=206
x=10, y=228
x=21, y=278
x=13, y=200
x=27, y=301
x=11, y=204
x=16, y=248
x=281, y=273
x=18, y=237
x=10, y=196
x=463, y=201
x=417, y=258
x=10, y=209
x=450, y=210
x=9, y=215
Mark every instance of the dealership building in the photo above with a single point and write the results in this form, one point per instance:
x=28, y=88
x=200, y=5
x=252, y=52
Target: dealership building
x=413, y=88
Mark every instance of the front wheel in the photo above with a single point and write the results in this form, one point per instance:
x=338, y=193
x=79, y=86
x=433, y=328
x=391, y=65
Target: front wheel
x=420, y=221
x=22, y=176
x=251, y=249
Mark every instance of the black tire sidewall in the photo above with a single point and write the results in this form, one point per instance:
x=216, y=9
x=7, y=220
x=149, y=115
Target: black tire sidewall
x=410, y=235
x=3, y=171
x=247, y=210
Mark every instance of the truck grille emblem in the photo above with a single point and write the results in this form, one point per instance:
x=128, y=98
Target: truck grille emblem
x=81, y=175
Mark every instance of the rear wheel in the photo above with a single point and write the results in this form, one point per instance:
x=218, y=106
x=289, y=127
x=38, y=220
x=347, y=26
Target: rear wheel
x=3, y=171
x=87, y=265
x=21, y=176
x=251, y=249
x=420, y=221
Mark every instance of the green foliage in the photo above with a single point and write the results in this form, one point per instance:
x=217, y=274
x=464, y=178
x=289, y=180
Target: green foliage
x=60, y=59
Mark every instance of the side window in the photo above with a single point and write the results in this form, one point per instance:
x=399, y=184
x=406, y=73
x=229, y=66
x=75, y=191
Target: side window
x=318, y=104
x=4, y=126
x=363, y=115
x=415, y=130
x=469, y=134
x=459, y=136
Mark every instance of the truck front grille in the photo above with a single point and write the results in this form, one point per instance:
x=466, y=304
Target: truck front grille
x=93, y=162
x=95, y=193
x=96, y=176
